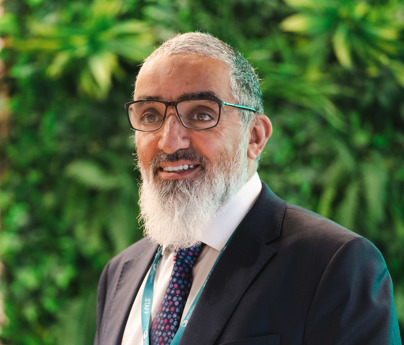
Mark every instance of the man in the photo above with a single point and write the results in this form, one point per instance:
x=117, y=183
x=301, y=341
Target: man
x=256, y=269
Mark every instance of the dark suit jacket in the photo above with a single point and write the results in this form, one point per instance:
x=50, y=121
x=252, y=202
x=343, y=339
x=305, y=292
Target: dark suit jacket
x=288, y=276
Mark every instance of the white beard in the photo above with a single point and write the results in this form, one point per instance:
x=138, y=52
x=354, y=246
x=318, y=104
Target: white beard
x=176, y=212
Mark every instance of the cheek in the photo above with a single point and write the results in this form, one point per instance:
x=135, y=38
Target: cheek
x=144, y=148
x=207, y=146
x=218, y=142
x=214, y=149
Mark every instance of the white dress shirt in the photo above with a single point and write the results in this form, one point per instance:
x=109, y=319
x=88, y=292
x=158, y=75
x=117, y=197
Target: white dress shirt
x=215, y=238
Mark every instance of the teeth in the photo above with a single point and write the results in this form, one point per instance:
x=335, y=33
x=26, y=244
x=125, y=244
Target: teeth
x=179, y=168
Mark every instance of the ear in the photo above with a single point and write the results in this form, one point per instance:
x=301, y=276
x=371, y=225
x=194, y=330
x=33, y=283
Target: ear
x=260, y=131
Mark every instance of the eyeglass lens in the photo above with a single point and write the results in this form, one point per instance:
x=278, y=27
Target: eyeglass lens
x=194, y=114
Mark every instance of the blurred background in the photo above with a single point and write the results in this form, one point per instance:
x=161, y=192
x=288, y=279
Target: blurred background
x=333, y=85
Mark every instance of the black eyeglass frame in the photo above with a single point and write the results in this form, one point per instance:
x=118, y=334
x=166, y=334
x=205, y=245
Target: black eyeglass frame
x=175, y=103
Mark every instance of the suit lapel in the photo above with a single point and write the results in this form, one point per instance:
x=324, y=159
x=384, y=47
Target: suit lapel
x=246, y=255
x=131, y=277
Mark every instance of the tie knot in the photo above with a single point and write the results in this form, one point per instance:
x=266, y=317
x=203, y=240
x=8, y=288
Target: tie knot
x=188, y=256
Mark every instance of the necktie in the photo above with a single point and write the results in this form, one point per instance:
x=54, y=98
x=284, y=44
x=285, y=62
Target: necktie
x=168, y=318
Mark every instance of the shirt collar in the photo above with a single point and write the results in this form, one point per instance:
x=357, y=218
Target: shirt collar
x=231, y=214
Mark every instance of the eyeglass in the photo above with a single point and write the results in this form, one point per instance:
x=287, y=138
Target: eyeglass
x=149, y=115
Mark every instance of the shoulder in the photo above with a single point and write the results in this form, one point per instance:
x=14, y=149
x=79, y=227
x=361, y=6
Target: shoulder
x=294, y=223
x=139, y=253
x=137, y=257
x=323, y=240
x=300, y=221
x=306, y=234
x=136, y=250
x=328, y=253
x=331, y=265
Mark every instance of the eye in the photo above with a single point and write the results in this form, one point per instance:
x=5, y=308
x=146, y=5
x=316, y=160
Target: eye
x=202, y=117
x=201, y=112
x=198, y=113
x=151, y=117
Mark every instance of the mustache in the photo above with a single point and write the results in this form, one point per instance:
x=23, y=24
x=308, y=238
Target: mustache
x=186, y=154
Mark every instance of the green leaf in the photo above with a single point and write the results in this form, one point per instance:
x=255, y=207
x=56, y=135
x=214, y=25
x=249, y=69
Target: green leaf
x=303, y=3
x=76, y=322
x=398, y=71
x=8, y=24
x=374, y=179
x=91, y=175
x=101, y=67
x=129, y=27
x=341, y=46
x=296, y=23
x=348, y=208
x=326, y=200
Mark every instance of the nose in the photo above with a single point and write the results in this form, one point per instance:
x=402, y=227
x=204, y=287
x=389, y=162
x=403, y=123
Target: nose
x=173, y=135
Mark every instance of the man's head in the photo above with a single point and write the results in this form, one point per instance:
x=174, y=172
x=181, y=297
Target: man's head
x=244, y=82
x=189, y=173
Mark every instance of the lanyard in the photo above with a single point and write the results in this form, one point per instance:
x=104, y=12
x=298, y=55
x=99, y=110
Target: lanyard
x=147, y=300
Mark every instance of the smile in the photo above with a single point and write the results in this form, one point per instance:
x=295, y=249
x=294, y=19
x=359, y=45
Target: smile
x=183, y=167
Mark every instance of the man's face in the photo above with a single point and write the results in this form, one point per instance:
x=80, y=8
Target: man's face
x=187, y=174
x=170, y=78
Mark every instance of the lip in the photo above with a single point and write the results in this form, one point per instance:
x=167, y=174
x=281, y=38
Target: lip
x=178, y=170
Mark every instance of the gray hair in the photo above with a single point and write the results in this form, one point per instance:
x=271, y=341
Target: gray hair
x=244, y=81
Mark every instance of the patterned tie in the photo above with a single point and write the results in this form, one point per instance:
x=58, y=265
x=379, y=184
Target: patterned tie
x=168, y=318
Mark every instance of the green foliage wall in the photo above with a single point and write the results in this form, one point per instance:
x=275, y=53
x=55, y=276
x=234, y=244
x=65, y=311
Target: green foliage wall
x=333, y=86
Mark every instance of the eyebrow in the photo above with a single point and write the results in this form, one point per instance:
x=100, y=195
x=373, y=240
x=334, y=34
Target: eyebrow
x=149, y=98
x=206, y=95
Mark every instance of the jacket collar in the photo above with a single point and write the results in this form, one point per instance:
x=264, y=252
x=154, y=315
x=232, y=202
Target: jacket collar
x=247, y=253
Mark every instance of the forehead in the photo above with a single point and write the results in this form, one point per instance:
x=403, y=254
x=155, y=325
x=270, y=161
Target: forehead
x=170, y=77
